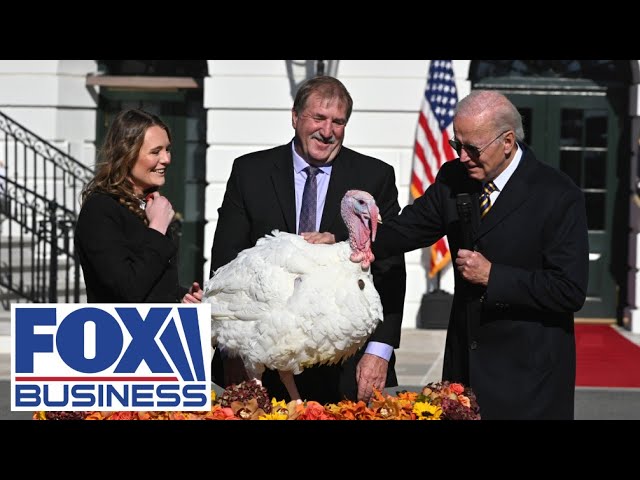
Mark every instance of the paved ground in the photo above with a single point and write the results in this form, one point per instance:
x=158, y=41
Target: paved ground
x=419, y=361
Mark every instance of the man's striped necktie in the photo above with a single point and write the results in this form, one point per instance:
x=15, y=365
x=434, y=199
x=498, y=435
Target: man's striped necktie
x=307, y=222
x=485, y=201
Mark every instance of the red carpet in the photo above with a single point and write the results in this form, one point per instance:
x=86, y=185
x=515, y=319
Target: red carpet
x=605, y=358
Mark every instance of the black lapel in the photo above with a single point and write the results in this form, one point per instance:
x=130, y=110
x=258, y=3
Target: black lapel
x=282, y=178
x=514, y=194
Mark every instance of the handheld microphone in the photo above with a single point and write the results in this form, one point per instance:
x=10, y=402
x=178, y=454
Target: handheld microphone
x=463, y=205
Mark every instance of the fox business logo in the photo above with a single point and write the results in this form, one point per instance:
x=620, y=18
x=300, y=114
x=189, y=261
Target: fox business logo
x=111, y=357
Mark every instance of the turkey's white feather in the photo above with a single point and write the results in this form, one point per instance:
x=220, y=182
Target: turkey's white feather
x=286, y=304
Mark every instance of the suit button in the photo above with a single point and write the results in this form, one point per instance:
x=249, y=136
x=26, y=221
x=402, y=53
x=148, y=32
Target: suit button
x=473, y=345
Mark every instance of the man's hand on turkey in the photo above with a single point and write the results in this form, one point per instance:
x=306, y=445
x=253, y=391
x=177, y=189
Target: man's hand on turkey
x=319, y=237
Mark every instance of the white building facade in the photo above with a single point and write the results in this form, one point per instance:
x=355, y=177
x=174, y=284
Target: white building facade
x=245, y=105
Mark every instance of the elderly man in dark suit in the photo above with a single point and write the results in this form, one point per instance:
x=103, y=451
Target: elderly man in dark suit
x=265, y=192
x=521, y=263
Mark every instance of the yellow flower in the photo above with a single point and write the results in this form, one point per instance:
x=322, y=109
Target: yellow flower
x=332, y=408
x=279, y=407
x=274, y=416
x=426, y=411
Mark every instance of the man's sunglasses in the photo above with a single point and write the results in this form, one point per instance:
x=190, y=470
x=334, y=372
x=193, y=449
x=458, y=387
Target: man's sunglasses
x=472, y=150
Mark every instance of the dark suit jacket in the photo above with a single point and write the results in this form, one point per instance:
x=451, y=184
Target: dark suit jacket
x=260, y=197
x=122, y=259
x=513, y=343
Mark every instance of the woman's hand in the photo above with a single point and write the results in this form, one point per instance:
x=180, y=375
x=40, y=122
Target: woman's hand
x=194, y=295
x=159, y=212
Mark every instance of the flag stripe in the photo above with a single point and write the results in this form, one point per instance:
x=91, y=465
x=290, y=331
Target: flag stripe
x=432, y=148
x=421, y=157
x=430, y=155
x=432, y=132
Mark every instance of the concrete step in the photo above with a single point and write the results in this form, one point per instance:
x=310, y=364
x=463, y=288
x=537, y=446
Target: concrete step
x=17, y=255
x=5, y=332
x=28, y=262
x=17, y=263
x=8, y=297
x=5, y=319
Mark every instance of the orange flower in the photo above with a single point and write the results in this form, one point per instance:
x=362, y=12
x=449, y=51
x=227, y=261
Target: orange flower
x=457, y=388
x=409, y=396
x=295, y=409
x=222, y=413
x=464, y=401
x=315, y=411
x=349, y=410
x=95, y=416
x=387, y=407
x=123, y=416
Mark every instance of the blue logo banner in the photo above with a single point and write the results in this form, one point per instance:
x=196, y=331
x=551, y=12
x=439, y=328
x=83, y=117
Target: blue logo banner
x=110, y=357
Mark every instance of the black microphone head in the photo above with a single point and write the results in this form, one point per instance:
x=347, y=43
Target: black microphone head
x=463, y=205
x=463, y=199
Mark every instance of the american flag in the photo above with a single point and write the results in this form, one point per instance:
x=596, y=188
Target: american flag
x=432, y=149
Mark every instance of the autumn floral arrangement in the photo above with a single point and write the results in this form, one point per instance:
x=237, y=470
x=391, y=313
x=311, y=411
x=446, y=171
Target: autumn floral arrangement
x=250, y=401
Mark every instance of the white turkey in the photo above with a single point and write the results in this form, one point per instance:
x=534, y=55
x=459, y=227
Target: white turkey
x=287, y=304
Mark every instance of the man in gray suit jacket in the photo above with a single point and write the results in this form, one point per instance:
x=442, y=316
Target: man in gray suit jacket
x=521, y=261
x=264, y=192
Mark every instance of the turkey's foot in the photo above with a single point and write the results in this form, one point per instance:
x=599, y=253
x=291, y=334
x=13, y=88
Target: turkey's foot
x=286, y=377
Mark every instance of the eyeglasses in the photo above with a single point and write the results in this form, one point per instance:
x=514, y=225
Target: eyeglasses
x=472, y=150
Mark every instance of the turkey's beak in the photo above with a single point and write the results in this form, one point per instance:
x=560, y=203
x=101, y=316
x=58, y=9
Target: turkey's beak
x=379, y=219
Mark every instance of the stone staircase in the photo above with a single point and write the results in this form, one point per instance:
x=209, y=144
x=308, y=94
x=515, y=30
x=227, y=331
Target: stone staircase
x=25, y=269
x=20, y=268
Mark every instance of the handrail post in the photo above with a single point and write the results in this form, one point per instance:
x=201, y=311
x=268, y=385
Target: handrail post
x=53, y=262
x=76, y=278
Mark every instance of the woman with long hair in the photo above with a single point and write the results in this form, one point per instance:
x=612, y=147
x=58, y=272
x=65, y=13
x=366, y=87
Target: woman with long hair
x=123, y=236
